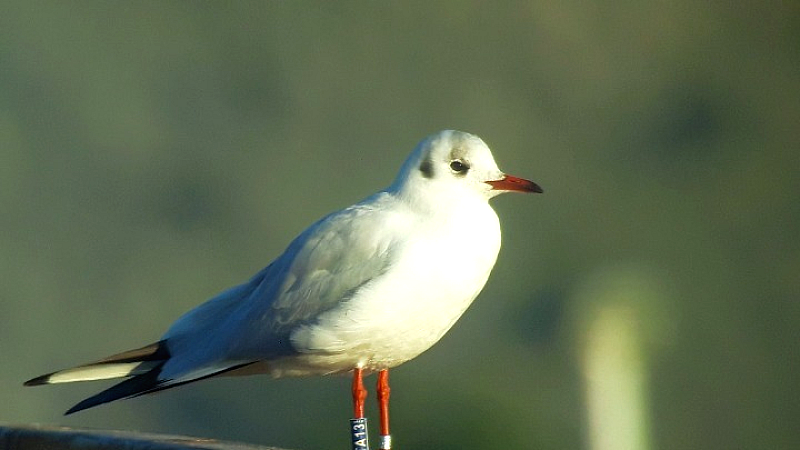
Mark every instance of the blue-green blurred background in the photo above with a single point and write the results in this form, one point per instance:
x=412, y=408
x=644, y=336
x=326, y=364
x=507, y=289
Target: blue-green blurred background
x=154, y=153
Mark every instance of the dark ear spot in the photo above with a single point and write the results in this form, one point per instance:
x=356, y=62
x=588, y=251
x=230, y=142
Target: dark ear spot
x=426, y=167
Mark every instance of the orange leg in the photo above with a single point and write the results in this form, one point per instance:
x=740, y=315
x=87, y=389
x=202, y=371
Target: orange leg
x=383, y=407
x=359, y=393
x=358, y=425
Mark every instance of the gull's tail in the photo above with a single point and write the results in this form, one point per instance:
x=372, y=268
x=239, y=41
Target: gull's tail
x=142, y=366
x=126, y=364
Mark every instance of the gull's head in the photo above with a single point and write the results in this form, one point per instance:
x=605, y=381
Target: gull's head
x=454, y=163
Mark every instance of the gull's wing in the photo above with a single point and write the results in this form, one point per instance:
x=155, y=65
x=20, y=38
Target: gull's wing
x=321, y=268
x=252, y=322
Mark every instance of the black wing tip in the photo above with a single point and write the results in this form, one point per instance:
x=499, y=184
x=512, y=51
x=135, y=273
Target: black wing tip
x=80, y=407
x=91, y=402
x=140, y=385
x=131, y=387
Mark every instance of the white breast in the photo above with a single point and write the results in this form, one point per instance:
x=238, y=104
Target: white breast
x=434, y=278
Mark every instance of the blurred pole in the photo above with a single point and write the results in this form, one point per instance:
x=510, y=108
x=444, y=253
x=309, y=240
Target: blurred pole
x=615, y=383
x=620, y=314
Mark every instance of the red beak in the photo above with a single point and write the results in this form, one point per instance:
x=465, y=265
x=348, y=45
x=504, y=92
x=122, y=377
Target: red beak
x=509, y=183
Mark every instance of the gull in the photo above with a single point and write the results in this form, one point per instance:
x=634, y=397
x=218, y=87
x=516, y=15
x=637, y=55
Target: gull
x=362, y=290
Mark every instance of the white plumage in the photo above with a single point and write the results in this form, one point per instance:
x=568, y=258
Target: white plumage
x=370, y=286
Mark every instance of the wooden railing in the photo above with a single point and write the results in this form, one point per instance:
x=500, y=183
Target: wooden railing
x=40, y=437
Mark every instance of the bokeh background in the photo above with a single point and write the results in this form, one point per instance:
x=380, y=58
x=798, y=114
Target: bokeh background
x=155, y=153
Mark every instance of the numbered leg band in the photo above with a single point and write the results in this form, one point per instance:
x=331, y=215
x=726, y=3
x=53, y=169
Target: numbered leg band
x=358, y=432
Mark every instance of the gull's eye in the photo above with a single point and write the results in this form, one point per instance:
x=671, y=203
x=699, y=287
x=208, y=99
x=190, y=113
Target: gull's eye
x=459, y=167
